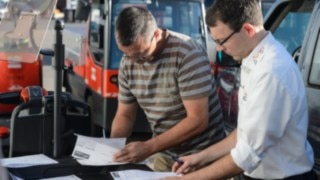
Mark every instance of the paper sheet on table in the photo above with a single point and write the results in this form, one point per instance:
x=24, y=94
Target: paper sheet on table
x=140, y=175
x=14, y=177
x=26, y=161
x=97, y=151
x=71, y=177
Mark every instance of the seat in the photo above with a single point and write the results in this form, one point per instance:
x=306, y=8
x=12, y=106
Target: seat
x=26, y=128
x=76, y=118
x=32, y=130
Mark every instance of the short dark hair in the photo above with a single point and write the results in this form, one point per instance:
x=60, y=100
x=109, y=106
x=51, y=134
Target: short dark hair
x=234, y=13
x=133, y=22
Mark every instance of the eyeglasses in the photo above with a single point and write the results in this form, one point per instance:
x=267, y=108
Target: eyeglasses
x=144, y=55
x=221, y=42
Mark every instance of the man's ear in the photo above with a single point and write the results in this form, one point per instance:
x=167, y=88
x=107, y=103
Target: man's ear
x=249, y=29
x=157, y=33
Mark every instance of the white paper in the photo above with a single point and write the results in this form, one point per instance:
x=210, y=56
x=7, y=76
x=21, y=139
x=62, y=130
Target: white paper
x=71, y=177
x=140, y=175
x=26, y=161
x=97, y=151
x=13, y=177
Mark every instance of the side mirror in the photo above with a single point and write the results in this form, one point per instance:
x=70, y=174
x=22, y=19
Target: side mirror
x=83, y=10
x=296, y=54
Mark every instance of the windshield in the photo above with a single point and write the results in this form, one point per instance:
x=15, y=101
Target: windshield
x=3, y=4
x=23, y=28
x=292, y=30
x=180, y=16
x=265, y=5
x=292, y=27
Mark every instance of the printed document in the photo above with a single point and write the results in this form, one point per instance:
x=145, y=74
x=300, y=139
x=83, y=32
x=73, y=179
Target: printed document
x=97, y=151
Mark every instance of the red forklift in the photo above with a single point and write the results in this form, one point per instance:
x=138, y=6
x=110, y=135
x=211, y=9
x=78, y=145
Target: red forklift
x=22, y=31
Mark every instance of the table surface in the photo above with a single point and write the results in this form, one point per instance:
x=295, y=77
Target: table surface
x=70, y=166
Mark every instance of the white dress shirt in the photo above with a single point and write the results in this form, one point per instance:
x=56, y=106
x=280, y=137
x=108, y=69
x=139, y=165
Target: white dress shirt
x=273, y=115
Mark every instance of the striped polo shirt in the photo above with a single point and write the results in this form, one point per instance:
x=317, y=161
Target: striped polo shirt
x=179, y=71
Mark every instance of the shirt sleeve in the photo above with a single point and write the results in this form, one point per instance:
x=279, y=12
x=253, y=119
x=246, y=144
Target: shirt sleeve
x=263, y=118
x=194, y=76
x=125, y=95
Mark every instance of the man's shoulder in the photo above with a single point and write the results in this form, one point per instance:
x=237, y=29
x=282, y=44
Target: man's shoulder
x=177, y=37
x=184, y=41
x=174, y=34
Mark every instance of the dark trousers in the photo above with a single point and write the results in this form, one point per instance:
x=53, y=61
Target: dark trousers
x=310, y=175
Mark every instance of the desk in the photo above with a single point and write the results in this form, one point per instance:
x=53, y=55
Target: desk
x=70, y=166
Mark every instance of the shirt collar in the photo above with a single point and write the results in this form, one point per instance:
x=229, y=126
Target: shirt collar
x=258, y=52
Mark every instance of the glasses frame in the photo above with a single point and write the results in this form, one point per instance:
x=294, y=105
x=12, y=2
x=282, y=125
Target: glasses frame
x=142, y=58
x=221, y=43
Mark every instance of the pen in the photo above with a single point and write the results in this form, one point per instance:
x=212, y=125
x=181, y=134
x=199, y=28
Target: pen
x=179, y=161
x=219, y=56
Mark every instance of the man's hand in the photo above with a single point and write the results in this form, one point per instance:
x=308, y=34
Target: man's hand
x=133, y=152
x=190, y=164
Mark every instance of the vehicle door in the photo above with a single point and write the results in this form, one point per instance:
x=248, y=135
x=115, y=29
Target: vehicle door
x=309, y=61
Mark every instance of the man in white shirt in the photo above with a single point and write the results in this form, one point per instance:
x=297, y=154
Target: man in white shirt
x=270, y=141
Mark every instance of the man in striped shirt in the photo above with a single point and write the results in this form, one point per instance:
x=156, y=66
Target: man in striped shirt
x=169, y=76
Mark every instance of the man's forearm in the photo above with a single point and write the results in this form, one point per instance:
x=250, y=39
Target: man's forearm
x=183, y=131
x=219, y=149
x=121, y=128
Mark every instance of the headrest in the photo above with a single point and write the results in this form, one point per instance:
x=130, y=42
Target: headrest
x=32, y=93
x=4, y=132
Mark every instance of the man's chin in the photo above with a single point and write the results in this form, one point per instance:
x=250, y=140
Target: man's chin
x=237, y=58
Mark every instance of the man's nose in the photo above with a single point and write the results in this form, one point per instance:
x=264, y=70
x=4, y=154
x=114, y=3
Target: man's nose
x=219, y=47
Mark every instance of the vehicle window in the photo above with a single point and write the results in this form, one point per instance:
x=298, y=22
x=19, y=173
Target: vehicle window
x=96, y=37
x=291, y=30
x=265, y=5
x=94, y=27
x=314, y=77
x=177, y=16
x=180, y=16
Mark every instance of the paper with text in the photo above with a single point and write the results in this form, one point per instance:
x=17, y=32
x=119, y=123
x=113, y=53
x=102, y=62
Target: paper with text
x=97, y=151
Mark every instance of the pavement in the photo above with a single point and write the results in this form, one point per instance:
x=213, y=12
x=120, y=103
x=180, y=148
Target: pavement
x=48, y=78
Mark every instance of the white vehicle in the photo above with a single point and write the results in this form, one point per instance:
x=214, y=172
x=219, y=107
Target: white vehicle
x=4, y=14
